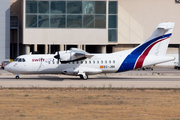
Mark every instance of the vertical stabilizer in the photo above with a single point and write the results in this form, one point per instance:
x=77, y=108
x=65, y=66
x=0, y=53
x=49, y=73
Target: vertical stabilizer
x=156, y=46
x=158, y=42
x=163, y=32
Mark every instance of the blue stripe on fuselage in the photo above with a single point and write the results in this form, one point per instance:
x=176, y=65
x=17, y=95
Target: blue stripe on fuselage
x=130, y=60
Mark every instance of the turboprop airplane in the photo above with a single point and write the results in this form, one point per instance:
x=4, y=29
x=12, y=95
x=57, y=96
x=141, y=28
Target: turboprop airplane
x=80, y=63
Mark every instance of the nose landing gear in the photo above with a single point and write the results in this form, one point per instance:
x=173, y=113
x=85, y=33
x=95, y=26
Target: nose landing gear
x=17, y=76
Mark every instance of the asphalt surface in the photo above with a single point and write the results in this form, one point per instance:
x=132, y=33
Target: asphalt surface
x=160, y=77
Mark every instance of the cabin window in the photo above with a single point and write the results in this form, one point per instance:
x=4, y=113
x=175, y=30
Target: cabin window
x=113, y=61
x=101, y=62
x=97, y=62
x=81, y=62
x=85, y=62
x=89, y=62
x=94, y=62
x=77, y=62
x=109, y=61
x=106, y=61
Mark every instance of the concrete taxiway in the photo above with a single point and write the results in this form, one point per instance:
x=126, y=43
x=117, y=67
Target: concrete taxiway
x=158, y=78
x=93, y=81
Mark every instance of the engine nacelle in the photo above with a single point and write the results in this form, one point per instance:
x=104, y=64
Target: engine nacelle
x=65, y=56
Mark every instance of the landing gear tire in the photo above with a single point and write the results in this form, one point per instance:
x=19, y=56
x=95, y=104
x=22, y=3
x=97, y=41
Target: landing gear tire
x=17, y=77
x=84, y=77
x=81, y=76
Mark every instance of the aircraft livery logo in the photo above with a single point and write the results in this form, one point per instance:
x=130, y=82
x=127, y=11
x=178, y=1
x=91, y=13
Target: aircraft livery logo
x=43, y=60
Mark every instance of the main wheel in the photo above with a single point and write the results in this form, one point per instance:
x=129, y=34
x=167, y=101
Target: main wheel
x=85, y=77
x=81, y=76
x=17, y=77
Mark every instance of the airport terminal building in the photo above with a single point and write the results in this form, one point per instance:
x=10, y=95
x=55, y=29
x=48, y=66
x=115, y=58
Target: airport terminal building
x=96, y=26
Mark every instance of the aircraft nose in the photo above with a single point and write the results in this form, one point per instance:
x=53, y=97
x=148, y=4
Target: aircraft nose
x=7, y=68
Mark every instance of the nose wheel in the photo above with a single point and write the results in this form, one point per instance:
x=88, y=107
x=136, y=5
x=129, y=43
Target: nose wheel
x=17, y=76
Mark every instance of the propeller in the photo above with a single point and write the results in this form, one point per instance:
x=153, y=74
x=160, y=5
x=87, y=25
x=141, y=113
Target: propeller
x=57, y=57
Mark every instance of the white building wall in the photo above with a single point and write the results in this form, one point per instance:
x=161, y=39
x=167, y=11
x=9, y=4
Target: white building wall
x=137, y=19
x=65, y=36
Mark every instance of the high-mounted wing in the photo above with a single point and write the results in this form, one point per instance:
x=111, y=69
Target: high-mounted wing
x=81, y=53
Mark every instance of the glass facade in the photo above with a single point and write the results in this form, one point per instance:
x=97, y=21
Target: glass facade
x=100, y=7
x=74, y=7
x=58, y=7
x=31, y=21
x=100, y=21
x=112, y=21
x=43, y=7
x=113, y=7
x=65, y=14
x=88, y=7
x=74, y=21
x=31, y=7
x=112, y=35
x=57, y=21
x=88, y=21
x=43, y=21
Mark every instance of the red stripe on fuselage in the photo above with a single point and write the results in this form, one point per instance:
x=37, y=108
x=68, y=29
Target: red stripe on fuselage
x=141, y=58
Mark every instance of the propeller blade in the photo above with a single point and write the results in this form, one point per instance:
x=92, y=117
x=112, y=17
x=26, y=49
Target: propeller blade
x=57, y=57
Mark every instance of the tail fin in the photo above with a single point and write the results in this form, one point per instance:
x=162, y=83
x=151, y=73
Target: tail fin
x=158, y=42
x=156, y=45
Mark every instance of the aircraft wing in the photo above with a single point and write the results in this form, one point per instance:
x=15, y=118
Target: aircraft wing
x=81, y=53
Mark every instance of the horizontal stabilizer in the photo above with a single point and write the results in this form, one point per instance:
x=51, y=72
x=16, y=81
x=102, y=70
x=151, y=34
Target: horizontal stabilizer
x=166, y=26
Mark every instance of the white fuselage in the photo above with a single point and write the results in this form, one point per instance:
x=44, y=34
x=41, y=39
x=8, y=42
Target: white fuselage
x=47, y=64
x=99, y=63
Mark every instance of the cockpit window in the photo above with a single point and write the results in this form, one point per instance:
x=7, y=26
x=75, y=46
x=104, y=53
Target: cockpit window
x=20, y=60
x=23, y=60
x=16, y=59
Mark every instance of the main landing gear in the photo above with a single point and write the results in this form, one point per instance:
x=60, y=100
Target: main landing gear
x=84, y=77
x=17, y=76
